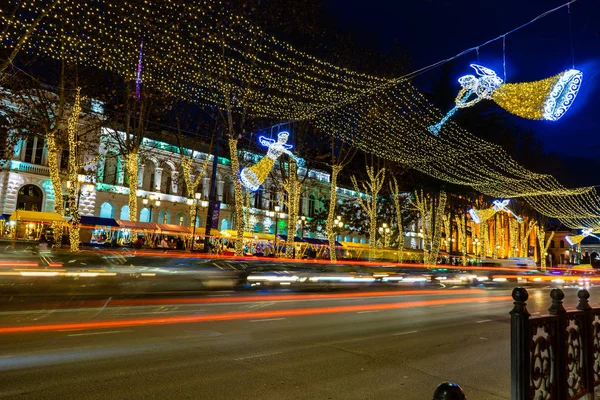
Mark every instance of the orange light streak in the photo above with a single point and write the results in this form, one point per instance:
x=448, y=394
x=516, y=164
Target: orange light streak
x=270, y=298
x=239, y=315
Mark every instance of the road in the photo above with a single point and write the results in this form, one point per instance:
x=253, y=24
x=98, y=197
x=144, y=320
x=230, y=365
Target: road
x=386, y=344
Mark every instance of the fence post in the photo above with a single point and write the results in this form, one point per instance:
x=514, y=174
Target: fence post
x=587, y=339
x=519, y=346
x=560, y=340
x=449, y=391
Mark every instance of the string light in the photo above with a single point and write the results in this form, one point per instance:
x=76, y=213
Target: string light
x=73, y=169
x=195, y=51
x=371, y=189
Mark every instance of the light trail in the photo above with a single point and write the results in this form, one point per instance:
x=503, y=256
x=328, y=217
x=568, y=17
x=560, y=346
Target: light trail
x=270, y=298
x=237, y=315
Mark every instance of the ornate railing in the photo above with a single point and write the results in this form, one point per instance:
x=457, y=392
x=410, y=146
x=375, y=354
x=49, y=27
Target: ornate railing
x=554, y=357
x=31, y=168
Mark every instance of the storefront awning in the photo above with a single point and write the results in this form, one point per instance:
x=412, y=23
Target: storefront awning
x=36, y=216
x=249, y=235
x=355, y=245
x=137, y=226
x=175, y=229
x=97, y=221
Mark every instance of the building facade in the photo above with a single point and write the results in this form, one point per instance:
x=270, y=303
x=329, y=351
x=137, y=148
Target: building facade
x=25, y=184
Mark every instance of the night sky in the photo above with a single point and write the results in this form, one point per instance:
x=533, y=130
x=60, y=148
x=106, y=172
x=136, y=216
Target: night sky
x=433, y=30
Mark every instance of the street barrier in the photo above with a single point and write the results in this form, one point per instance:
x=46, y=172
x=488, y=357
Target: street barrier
x=556, y=356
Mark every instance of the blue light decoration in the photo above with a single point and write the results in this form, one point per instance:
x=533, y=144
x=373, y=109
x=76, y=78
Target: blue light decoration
x=479, y=216
x=253, y=177
x=563, y=95
x=482, y=87
x=546, y=99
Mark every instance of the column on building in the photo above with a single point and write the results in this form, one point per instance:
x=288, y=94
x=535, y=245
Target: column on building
x=141, y=169
x=205, y=187
x=174, y=181
x=220, y=185
x=157, y=179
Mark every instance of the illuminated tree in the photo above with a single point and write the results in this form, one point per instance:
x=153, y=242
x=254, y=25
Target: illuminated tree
x=370, y=188
x=543, y=243
x=431, y=210
x=399, y=199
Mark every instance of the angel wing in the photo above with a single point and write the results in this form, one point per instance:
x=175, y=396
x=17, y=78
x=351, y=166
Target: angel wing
x=265, y=141
x=483, y=71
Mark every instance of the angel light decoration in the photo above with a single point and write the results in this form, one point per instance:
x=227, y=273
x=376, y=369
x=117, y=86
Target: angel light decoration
x=479, y=216
x=254, y=176
x=576, y=239
x=546, y=99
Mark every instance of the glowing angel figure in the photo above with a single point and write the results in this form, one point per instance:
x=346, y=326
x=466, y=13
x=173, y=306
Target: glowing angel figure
x=481, y=87
x=576, y=239
x=479, y=216
x=254, y=176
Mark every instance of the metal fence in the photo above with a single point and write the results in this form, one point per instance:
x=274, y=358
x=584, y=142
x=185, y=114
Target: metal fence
x=557, y=356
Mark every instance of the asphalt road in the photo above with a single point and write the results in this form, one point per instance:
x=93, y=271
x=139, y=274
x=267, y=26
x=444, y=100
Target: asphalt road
x=341, y=345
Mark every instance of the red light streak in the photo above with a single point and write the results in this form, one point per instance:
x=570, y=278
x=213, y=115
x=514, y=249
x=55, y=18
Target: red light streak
x=18, y=264
x=239, y=315
x=288, y=297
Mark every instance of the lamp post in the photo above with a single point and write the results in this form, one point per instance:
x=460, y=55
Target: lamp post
x=476, y=244
x=275, y=214
x=151, y=201
x=384, y=230
x=81, y=186
x=197, y=203
x=302, y=222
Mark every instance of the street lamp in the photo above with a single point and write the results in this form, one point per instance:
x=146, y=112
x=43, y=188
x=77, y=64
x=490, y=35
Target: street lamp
x=81, y=186
x=302, y=222
x=275, y=214
x=476, y=244
x=151, y=201
x=196, y=203
x=384, y=230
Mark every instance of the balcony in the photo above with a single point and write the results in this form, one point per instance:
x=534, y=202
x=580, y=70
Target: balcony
x=29, y=168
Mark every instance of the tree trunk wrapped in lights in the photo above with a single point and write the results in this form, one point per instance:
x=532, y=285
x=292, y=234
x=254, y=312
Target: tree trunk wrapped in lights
x=56, y=185
x=513, y=227
x=448, y=233
x=422, y=205
x=437, y=233
x=73, y=170
x=462, y=236
x=335, y=170
x=292, y=187
x=484, y=232
x=238, y=196
x=525, y=234
x=544, y=244
x=369, y=205
x=395, y=191
x=131, y=163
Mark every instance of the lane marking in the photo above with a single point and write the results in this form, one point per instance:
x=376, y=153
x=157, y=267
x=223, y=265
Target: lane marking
x=97, y=333
x=266, y=319
x=404, y=333
x=258, y=356
x=484, y=320
x=367, y=312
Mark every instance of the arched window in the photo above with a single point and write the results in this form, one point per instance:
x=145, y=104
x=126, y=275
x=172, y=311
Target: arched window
x=149, y=176
x=346, y=238
x=562, y=244
x=111, y=164
x=311, y=205
x=363, y=241
x=225, y=225
x=164, y=217
x=180, y=219
x=354, y=239
x=107, y=210
x=166, y=180
x=552, y=244
x=338, y=238
x=145, y=215
x=198, y=221
x=124, y=213
x=30, y=197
